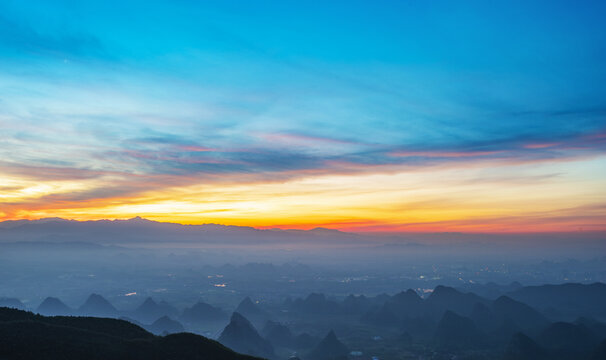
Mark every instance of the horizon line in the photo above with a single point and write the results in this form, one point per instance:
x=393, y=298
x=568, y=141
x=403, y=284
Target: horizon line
x=386, y=231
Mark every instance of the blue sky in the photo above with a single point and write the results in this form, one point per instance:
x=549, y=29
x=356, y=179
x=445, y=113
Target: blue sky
x=279, y=90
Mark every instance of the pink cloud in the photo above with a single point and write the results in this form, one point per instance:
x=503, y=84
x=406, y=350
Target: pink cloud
x=297, y=138
x=196, y=148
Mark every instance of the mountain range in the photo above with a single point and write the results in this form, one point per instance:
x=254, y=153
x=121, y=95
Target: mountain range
x=138, y=230
x=242, y=336
x=449, y=319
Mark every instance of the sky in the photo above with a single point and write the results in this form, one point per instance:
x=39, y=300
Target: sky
x=388, y=116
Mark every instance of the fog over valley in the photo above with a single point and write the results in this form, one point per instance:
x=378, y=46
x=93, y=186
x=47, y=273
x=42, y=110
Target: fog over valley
x=274, y=293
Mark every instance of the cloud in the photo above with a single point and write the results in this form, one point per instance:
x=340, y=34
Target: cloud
x=284, y=156
x=50, y=173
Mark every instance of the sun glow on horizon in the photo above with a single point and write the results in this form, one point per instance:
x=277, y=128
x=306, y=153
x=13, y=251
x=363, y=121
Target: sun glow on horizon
x=426, y=200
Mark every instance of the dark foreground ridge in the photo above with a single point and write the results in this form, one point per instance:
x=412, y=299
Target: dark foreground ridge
x=24, y=335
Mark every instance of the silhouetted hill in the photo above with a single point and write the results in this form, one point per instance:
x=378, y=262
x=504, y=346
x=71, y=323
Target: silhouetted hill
x=597, y=327
x=11, y=303
x=382, y=316
x=356, y=304
x=527, y=318
x=444, y=298
x=330, y=348
x=490, y=290
x=252, y=312
x=484, y=318
x=281, y=336
x=406, y=304
x=458, y=332
x=248, y=308
x=521, y=347
x=241, y=336
x=165, y=325
x=504, y=317
x=97, y=305
x=316, y=304
x=278, y=334
x=397, y=309
x=202, y=312
x=381, y=299
x=567, y=338
x=53, y=306
x=505, y=331
x=149, y=311
x=105, y=326
x=132, y=321
x=420, y=328
x=570, y=300
x=26, y=336
x=305, y=341
x=600, y=352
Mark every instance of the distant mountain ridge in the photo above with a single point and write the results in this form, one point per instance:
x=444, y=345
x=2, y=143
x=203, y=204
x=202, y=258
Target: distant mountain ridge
x=242, y=336
x=528, y=305
x=449, y=319
x=115, y=232
x=566, y=299
x=97, y=305
x=330, y=348
x=150, y=310
x=202, y=312
x=164, y=326
x=12, y=303
x=252, y=312
x=455, y=331
x=52, y=306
